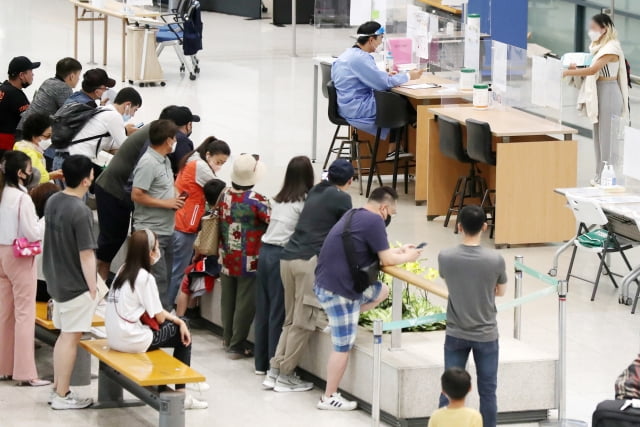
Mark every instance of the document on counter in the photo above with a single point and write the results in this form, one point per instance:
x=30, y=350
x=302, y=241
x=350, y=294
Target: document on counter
x=421, y=86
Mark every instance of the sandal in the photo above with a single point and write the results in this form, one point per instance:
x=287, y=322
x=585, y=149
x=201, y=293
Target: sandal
x=235, y=354
x=34, y=383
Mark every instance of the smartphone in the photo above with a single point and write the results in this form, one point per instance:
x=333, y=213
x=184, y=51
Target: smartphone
x=184, y=195
x=139, y=125
x=421, y=245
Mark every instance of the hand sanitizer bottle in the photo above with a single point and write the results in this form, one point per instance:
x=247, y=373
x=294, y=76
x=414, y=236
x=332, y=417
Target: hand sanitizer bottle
x=605, y=176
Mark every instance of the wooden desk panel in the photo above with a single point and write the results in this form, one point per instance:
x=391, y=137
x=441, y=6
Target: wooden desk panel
x=527, y=209
x=506, y=121
x=449, y=89
x=438, y=4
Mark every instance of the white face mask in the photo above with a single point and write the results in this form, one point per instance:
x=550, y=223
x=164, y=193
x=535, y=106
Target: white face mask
x=173, y=146
x=45, y=143
x=380, y=48
x=594, y=36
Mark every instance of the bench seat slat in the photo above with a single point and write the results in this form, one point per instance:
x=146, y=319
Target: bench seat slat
x=41, y=317
x=152, y=368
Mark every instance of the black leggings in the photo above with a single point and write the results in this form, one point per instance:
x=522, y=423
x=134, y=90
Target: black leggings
x=169, y=336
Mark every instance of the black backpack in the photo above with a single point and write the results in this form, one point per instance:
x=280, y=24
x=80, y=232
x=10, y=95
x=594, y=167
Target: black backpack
x=69, y=120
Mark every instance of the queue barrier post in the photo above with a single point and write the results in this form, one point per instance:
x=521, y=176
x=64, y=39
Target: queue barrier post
x=396, y=314
x=562, y=349
x=517, y=310
x=377, y=365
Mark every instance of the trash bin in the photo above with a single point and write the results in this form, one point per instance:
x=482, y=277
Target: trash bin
x=142, y=63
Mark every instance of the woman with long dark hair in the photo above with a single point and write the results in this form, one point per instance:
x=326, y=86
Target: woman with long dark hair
x=18, y=275
x=135, y=320
x=605, y=92
x=285, y=211
x=199, y=167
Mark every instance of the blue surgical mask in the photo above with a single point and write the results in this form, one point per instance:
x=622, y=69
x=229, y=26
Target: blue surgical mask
x=126, y=116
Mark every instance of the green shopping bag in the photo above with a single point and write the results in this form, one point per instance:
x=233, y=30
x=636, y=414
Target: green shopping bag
x=594, y=239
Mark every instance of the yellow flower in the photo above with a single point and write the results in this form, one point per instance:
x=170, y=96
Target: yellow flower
x=432, y=274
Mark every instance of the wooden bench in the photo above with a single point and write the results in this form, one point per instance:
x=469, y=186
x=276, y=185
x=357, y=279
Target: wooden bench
x=141, y=374
x=48, y=333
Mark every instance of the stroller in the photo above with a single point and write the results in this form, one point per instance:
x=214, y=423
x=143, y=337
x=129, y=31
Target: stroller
x=184, y=32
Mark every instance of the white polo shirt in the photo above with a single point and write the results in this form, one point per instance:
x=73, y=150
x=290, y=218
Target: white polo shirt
x=107, y=121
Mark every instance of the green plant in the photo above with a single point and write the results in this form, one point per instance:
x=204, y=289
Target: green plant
x=414, y=304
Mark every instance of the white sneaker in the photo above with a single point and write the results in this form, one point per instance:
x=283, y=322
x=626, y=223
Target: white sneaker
x=52, y=395
x=270, y=381
x=70, y=401
x=336, y=403
x=192, y=403
x=260, y=373
x=199, y=387
x=291, y=383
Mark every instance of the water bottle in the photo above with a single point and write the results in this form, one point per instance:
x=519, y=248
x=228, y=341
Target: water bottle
x=605, y=177
x=388, y=61
x=612, y=176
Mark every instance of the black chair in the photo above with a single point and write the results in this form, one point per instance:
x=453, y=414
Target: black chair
x=334, y=117
x=393, y=112
x=349, y=147
x=472, y=185
x=479, y=148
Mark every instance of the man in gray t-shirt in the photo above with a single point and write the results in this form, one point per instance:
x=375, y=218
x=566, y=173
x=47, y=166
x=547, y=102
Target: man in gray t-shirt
x=155, y=201
x=69, y=264
x=474, y=277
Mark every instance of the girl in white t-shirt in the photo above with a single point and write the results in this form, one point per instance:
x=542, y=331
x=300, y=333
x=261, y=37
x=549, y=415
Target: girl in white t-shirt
x=133, y=294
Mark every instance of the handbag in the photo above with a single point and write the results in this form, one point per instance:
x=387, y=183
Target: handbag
x=208, y=240
x=363, y=277
x=22, y=247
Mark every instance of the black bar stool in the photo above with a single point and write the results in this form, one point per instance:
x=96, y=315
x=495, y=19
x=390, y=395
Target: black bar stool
x=479, y=148
x=472, y=185
x=393, y=112
x=349, y=147
x=334, y=117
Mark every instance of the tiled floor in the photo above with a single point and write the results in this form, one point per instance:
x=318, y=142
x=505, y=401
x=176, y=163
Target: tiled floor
x=252, y=94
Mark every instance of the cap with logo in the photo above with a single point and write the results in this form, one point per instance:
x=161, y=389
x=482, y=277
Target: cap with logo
x=20, y=64
x=179, y=115
x=96, y=77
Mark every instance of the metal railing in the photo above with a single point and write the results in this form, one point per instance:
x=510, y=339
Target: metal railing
x=397, y=324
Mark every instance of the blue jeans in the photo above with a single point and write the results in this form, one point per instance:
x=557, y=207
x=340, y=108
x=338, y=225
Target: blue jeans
x=269, y=305
x=182, y=255
x=485, y=356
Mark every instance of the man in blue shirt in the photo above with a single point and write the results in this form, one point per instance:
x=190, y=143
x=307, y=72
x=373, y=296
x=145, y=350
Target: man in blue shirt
x=355, y=76
x=335, y=287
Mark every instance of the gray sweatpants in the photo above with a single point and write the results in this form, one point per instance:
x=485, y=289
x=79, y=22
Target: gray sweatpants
x=610, y=105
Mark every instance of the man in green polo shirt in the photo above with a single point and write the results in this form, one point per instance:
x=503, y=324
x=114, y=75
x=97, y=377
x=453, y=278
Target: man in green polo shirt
x=155, y=200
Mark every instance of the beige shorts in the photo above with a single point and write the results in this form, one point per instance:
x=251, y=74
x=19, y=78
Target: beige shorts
x=75, y=315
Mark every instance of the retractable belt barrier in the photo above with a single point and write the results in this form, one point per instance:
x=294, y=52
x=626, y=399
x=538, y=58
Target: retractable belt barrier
x=554, y=286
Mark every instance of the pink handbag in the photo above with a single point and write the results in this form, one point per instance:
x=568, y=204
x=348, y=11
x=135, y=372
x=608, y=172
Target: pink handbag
x=23, y=247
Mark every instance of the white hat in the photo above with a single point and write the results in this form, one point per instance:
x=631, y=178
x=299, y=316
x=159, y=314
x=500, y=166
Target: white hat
x=247, y=170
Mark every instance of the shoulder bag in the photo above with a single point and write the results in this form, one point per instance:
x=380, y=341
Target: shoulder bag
x=363, y=277
x=208, y=240
x=23, y=247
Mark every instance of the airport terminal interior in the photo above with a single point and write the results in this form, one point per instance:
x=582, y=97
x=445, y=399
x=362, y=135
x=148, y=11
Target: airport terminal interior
x=256, y=90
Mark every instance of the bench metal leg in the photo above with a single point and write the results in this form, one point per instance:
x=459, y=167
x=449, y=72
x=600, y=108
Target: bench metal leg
x=110, y=390
x=171, y=409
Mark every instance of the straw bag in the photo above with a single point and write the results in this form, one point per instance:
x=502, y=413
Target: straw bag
x=208, y=238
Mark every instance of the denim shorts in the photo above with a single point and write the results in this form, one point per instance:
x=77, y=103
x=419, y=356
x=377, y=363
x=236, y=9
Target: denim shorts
x=343, y=314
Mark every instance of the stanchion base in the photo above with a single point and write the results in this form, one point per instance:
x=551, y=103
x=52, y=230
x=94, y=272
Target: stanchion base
x=563, y=423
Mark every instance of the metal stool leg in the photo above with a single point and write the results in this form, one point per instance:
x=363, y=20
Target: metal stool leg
x=460, y=205
x=333, y=143
x=355, y=147
x=573, y=258
x=452, y=203
x=374, y=159
x=602, y=257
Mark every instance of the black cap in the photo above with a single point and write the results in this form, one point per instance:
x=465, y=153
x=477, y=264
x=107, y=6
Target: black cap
x=341, y=171
x=95, y=78
x=179, y=115
x=20, y=64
